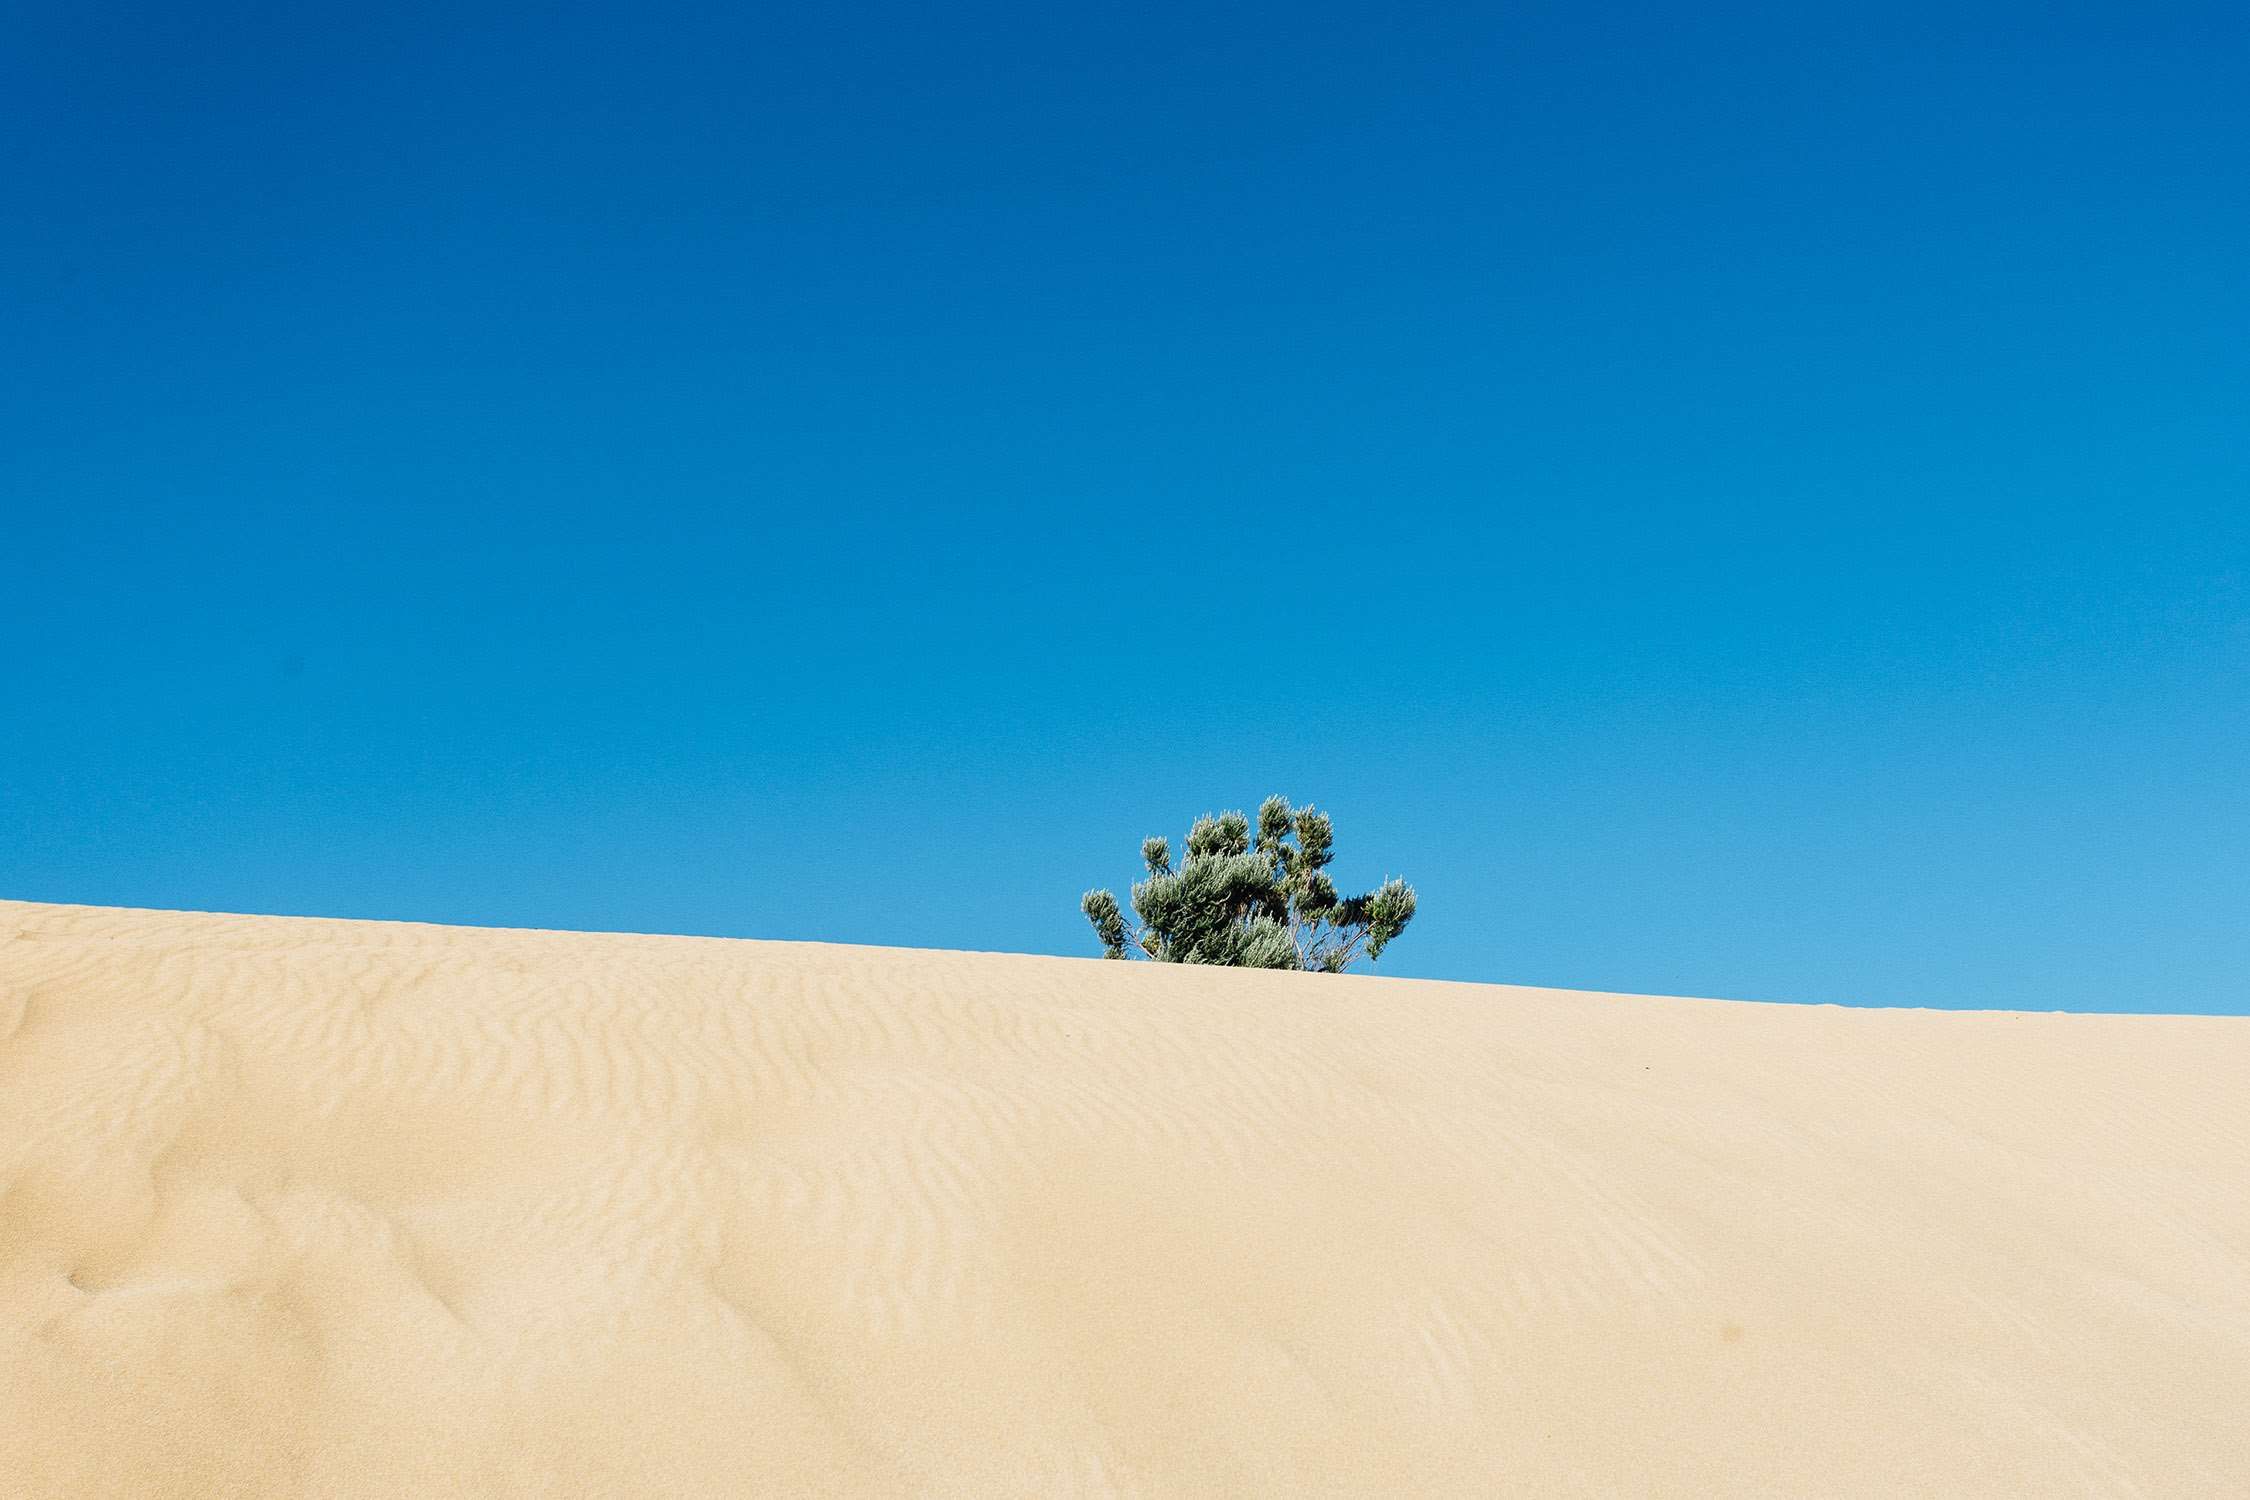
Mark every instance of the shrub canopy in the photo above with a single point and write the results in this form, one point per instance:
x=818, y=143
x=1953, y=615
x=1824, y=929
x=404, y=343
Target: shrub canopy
x=1251, y=901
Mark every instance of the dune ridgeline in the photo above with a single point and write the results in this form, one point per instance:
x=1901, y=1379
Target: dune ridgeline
x=343, y=1209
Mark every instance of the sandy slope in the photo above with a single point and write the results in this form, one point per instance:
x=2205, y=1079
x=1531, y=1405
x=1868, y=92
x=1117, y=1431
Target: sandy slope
x=363, y=1209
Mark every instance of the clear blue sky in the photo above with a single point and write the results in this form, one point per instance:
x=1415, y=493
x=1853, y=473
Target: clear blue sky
x=1745, y=501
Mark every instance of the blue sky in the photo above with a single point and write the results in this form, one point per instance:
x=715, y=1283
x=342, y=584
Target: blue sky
x=1745, y=501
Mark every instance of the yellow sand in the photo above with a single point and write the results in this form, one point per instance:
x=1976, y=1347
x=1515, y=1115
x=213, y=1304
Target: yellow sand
x=336, y=1209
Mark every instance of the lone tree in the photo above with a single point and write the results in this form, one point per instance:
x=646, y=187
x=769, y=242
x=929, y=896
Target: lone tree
x=1267, y=904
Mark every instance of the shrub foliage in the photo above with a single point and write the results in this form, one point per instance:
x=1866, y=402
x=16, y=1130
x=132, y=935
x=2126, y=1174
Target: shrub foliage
x=1251, y=901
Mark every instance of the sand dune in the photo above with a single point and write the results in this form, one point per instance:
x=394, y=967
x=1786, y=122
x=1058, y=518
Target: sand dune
x=336, y=1209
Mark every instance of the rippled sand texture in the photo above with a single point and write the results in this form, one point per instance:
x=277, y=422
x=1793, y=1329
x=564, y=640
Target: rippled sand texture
x=324, y=1208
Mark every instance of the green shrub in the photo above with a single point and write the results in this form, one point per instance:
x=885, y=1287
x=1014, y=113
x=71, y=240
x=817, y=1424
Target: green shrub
x=1251, y=902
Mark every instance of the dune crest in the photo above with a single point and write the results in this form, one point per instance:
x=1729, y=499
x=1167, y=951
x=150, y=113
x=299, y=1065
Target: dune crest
x=298, y=1207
